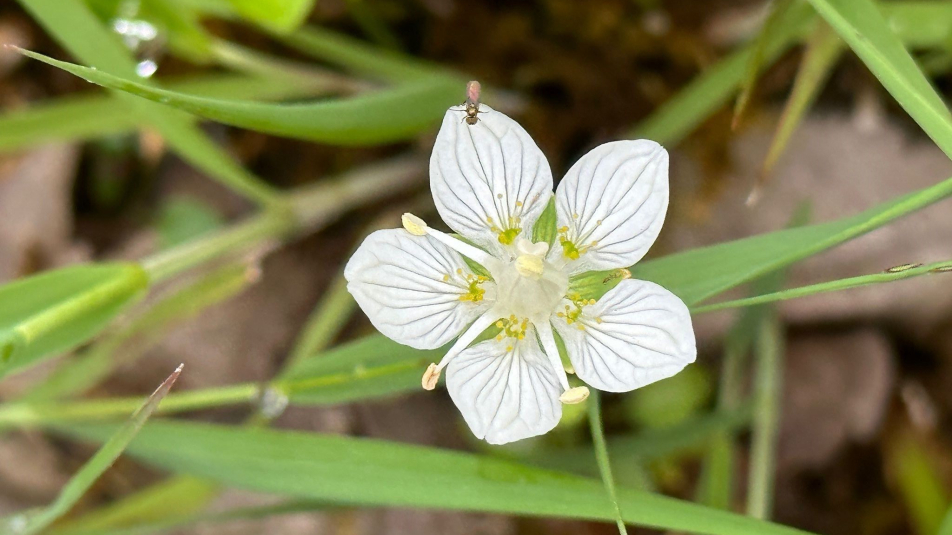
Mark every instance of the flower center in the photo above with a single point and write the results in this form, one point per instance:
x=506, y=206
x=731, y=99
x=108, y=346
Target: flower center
x=529, y=287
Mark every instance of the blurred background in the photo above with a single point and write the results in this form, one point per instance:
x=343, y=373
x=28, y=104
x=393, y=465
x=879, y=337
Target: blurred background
x=865, y=418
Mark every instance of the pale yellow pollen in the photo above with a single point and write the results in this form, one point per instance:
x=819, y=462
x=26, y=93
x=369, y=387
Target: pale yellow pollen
x=530, y=266
x=446, y=278
x=414, y=224
x=499, y=195
x=518, y=204
x=574, y=395
x=432, y=376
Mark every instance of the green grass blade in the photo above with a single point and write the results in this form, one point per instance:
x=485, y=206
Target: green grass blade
x=371, y=367
x=916, y=476
x=862, y=26
x=692, y=434
x=824, y=49
x=78, y=30
x=890, y=275
x=379, y=117
x=179, y=521
x=88, y=367
x=776, y=16
x=601, y=457
x=768, y=381
x=707, y=93
x=277, y=15
x=85, y=117
x=60, y=309
x=146, y=507
x=729, y=264
x=102, y=460
x=360, y=57
x=377, y=473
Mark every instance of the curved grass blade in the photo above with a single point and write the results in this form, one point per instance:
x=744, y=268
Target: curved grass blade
x=58, y=310
x=79, y=32
x=83, y=117
x=776, y=16
x=862, y=26
x=363, y=472
x=379, y=117
x=701, y=273
x=99, y=463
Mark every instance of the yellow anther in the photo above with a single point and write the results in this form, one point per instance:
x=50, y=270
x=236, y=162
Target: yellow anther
x=446, y=278
x=414, y=224
x=530, y=266
x=430, y=377
x=574, y=395
x=518, y=204
x=499, y=195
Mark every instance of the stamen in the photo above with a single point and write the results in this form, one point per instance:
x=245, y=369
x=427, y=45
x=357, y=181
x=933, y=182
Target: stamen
x=552, y=351
x=413, y=224
x=431, y=377
x=463, y=341
x=418, y=227
x=574, y=395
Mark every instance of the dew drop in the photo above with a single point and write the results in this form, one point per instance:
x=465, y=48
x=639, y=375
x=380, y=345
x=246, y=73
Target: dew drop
x=273, y=402
x=146, y=68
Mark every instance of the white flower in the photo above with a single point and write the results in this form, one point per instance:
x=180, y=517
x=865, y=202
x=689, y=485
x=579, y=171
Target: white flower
x=491, y=184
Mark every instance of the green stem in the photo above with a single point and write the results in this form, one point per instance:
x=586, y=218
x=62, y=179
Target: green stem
x=766, y=422
x=37, y=414
x=890, y=275
x=311, y=207
x=601, y=456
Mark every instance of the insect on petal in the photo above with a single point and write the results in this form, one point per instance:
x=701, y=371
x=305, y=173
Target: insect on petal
x=415, y=290
x=490, y=181
x=636, y=334
x=505, y=389
x=611, y=204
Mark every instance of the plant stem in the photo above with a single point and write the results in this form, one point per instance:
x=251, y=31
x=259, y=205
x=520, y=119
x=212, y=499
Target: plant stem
x=601, y=455
x=765, y=429
x=36, y=414
x=308, y=208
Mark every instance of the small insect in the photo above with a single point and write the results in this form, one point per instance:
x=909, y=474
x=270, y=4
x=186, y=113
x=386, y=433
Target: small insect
x=901, y=268
x=941, y=269
x=472, y=103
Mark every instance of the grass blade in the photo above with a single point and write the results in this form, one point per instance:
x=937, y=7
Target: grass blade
x=377, y=473
x=78, y=30
x=88, y=367
x=896, y=273
x=102, y=460
x=74, y=118
x=691, y=106
x=727, y=265
x=776, y=16
x=863, y=27
x=601, y=456
x=60, y=309
x=824, y=49
x=378, y=117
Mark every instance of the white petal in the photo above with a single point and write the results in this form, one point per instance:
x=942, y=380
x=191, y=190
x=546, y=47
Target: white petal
x=645, y=335
x=410, y=288
x=613, y=202
x=505, y=390
x=486, y=176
